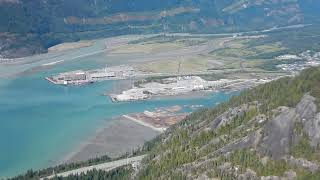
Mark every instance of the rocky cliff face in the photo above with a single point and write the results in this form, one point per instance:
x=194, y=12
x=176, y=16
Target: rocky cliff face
x=280, y=133
x=270, y=132
x=52, y=22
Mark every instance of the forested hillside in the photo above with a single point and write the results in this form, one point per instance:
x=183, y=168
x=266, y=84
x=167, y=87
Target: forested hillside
x=28, y=27
x=271, y=130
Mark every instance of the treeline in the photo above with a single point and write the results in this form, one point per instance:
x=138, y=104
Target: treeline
x=284, y=92
x=32, y=174
x=121, y=173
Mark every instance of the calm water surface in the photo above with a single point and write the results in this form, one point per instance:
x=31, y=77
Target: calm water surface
x=41, y=122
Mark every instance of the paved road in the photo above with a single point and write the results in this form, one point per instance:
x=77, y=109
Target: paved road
x=105, y=167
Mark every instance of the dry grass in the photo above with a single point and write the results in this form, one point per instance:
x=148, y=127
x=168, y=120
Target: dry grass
x=146, y=48
x=193, y=64
x=71, y=45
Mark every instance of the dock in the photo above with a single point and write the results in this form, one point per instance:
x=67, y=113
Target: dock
x=160, y=119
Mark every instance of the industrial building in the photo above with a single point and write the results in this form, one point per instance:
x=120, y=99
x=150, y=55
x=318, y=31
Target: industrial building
x=83, y=77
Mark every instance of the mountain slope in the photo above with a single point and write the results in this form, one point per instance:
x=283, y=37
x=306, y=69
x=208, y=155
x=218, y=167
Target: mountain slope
x=42, y=23
x=271, y=130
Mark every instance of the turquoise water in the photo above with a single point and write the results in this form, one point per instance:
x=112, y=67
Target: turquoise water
x=40, y=122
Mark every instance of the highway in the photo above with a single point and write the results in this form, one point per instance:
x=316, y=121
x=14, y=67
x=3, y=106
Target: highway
x=104, y=166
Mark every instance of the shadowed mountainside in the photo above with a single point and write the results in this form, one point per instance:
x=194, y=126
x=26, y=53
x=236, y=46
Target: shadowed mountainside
x=41, y=24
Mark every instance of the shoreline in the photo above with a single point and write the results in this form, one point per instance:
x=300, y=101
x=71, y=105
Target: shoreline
x=144, y=124
x=78, y=148
x=113, y=139
x=191, y=94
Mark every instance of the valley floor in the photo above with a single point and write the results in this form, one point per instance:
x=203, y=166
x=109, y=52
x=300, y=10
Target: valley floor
x=250, y=56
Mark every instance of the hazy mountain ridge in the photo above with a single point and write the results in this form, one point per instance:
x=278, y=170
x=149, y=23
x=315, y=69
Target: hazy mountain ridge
x=51, y=22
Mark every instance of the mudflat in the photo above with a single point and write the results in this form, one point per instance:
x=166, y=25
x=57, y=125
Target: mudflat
x=116, y=138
